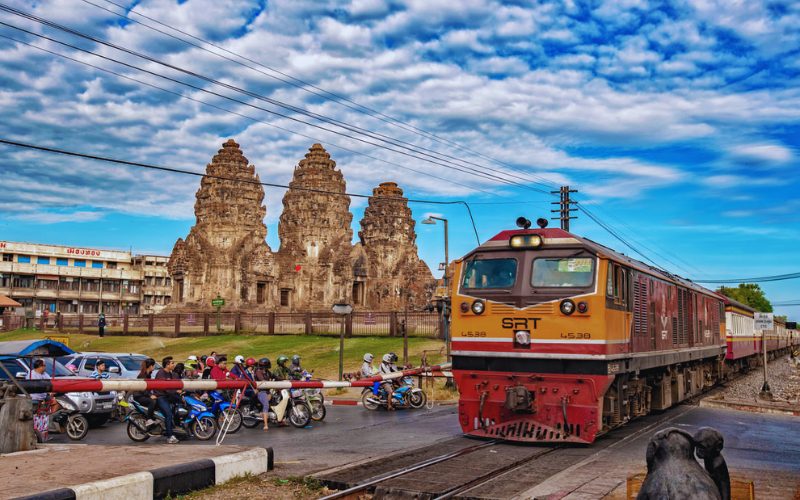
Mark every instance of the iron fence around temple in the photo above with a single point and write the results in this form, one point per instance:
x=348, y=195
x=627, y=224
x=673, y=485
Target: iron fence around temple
x=189, y=324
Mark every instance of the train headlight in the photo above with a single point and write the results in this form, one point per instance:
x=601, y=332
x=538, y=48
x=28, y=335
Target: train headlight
x=478, y=307
x=567, y=307
x=525, y=241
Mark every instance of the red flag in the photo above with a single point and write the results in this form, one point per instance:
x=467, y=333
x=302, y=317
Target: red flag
x=298, y=267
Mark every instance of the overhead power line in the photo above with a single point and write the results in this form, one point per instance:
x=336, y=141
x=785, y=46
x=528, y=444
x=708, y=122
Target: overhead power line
x=296, y=82
x=787, y=303
x=418, y=151
x=233, y=179
x=236, y=113
x=762, y=279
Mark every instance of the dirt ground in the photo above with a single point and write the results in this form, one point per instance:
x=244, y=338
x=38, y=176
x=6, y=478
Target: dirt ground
x=64, y=465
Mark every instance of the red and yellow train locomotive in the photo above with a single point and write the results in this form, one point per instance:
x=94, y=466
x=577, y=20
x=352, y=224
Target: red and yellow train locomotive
x=558, y=338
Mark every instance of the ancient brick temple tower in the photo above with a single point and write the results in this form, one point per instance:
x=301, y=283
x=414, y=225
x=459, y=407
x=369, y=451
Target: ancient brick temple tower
x=315, y=233
x=317, y=264
x=225, y=252
x=387, y=262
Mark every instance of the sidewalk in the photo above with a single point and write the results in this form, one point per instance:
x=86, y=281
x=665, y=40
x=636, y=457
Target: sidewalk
x=126, y=472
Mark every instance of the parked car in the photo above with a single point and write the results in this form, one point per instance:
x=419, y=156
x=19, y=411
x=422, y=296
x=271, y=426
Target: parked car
x=17, y=358
x=118, y=364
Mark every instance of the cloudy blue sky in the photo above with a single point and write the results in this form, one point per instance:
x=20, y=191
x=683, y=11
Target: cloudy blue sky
x=678, y=122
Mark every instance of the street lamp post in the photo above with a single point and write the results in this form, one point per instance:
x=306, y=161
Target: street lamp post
x=431, y=220
x=342, y=309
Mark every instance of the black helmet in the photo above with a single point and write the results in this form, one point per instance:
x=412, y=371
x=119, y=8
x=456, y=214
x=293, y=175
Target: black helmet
x=394, y=357
x=265, y=362
x=296, y=359
x=282, y=360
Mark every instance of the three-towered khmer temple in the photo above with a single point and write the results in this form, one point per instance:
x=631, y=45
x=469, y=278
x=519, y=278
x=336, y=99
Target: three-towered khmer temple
x=226, y=253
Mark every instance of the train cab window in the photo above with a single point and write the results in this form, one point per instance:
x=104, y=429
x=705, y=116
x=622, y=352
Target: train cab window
x=490, y=273
x=617, y=287
x=569, y=272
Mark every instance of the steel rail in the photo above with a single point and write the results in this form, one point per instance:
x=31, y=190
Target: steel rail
x=406, y=470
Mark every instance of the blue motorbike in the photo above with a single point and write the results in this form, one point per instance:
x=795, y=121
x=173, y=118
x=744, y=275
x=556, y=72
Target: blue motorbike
x=190, y=419
x=376, y=397
x=226, y=412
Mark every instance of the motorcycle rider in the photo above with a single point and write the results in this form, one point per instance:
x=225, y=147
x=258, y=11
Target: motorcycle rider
x=296, y=371
x=262, y=374
x=220, y=369
x=238, y=369
x=367, y=370
x=166, y=398
x=386, y=368
x=147, y=398
x=191, y=368
x=210, y=364
x=281, y=372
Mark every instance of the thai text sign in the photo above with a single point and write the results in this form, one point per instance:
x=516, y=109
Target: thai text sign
x=763, y=321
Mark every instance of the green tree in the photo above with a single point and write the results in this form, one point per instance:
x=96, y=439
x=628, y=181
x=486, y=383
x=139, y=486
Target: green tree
x=749, y=294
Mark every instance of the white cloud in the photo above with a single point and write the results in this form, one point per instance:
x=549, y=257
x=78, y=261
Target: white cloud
x=767, y=153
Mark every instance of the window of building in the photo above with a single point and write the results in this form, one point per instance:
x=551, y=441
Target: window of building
x=97, y=264
x=62, y=262
x=5, y=281
x=8, y=257
x=24, y=259
x=286, y=296
x=48, y=284
x=111, y=265
x=167, y=300
x=110, y=286
x=168, y=281
x=261, y=292
x=23, y=282
x=43, y=260
x=79, y=263
x=90, y=286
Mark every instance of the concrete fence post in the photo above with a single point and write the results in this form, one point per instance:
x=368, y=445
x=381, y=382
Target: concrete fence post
x=309, y=324
x=59, y=321
x=177, y=324
x=150, y=324
x=125, y=324
x=348, y=326
x=205, y=323
x=271, y=324
x=80, y=323
x=392, y=323
x=237, y=323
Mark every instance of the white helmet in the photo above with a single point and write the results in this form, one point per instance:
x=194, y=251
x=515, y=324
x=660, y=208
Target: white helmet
x=192, y=358
x=368, y=357
x=387, y=358
x=238, y=359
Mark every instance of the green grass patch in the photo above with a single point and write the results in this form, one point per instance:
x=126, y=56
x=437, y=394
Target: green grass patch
x=318, y=353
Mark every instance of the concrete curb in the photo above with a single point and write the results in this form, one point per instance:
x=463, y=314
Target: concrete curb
x=171, y=480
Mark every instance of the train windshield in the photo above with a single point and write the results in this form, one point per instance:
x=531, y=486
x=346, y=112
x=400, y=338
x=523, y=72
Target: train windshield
x=490, y=273
x=572, y=272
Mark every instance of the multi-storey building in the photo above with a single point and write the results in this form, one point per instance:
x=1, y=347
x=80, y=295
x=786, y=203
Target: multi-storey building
x=156, y=284
x=75, y=280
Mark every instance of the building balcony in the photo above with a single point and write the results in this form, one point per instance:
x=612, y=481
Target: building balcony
x=46, y=293
x=70, y=271
x=91, y=296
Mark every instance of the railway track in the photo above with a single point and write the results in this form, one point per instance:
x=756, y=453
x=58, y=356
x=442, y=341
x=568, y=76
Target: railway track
x=465, y=468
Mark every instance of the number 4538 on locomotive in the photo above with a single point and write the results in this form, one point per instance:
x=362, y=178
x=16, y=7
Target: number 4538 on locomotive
x=558, y=338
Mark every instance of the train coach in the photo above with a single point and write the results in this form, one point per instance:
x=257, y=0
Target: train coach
x=557, y=338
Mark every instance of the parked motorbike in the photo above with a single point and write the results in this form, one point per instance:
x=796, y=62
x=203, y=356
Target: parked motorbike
x=190, y=419
x=63, y=417
x=405, y=396
x=282, y=407
x=225, y=411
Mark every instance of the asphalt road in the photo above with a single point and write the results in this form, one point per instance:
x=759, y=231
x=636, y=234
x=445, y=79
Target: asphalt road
x=348, y=433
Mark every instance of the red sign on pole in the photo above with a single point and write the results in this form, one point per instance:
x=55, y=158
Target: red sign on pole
x=298, y=267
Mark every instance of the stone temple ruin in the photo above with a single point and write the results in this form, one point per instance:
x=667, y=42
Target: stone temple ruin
x=317, y=264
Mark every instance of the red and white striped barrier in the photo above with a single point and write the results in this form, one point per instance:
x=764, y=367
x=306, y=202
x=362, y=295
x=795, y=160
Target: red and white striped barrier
x=62, y=385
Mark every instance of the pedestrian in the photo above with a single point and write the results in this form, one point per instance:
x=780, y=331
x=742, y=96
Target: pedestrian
x=101, y=324
x=100, y=371
x=38, y=373
x=166, y=398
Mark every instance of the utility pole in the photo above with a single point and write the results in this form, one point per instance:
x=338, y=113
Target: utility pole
x=565, y=206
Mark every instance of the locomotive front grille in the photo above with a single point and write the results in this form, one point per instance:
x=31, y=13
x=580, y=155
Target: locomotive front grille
x=547, y=308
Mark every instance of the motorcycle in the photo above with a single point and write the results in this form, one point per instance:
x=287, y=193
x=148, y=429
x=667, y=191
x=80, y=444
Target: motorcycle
x=63, y=417
x=281, y=407
x=405, y=396
x=225, y=411
x=190, y=419
x=315, y=399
